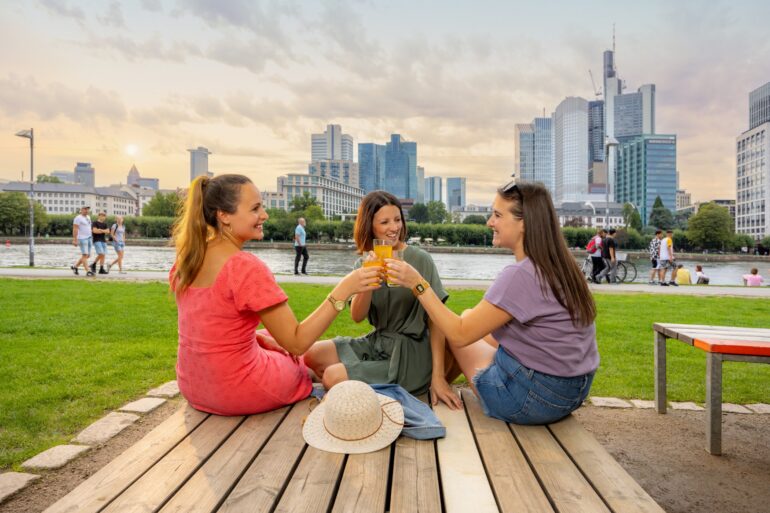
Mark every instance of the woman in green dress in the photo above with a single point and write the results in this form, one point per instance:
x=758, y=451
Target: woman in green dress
x=405, y=347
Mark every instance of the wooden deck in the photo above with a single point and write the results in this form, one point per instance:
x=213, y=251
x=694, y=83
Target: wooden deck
x=199, y=462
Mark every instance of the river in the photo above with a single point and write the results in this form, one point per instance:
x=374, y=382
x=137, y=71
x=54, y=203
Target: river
x=336, y=262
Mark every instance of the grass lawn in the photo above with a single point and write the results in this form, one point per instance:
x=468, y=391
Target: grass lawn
x=72, y=350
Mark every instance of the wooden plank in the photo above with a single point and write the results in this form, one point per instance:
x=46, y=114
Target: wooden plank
x=463, y=479
x=150, y=491
x=562, y=481
x=714, y=403
x=261, y=485
x=117, y=475
x=364, y=484
x=743, y=346
x=415, y=487
x=512, y=479
x=312, y=486
x=706, y=327
x=209, y=485
x=614, y=484
x=660, y=372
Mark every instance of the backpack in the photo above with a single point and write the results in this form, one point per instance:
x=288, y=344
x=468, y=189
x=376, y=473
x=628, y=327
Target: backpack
x=110, y=238
x=591, y=247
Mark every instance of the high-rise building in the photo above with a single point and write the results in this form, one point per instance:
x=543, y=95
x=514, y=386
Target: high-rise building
x=570, y=129
x=420, y=185
x=596, y=131
x=134, y=178
x=331, y=145
x=433, y=189
x=534, y=152
x=635, y=113
x=524, y=160
x=371, y=166
x=345, y=171
x=85, y=174
x=752, y=150
x=64, y=176
x=199, y=162
x=683, y=199
x=646, y=169
x=401, y=168
x=759, y=106
x=455, y=193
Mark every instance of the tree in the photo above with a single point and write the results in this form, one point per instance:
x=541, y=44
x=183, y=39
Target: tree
x=711, y=227
x=314, y=213
x=661, y=217
x=681, y=219
x=419, y=213
x=475, y=219
x=48, y=179
x=162, y=205
x=301, y=203
x=14, y=209
x=628, y=209
x=437, y=212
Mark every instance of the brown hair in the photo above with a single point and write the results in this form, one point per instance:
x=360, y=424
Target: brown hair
x=197, y=223
x=370, y=205
x=545, y=246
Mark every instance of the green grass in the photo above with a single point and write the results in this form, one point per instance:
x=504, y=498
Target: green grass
x=71, y=351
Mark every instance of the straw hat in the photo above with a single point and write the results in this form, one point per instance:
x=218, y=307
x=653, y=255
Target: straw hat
x=353, y=419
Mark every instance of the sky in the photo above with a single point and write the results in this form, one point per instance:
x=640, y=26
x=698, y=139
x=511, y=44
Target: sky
x=251, y=80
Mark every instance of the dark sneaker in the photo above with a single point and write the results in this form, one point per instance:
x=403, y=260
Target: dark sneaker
x=102, y=271
x=90, y=273
x=673, y=284
x=74, y=270
x=93, y=267
x=303, y=272
x=296, y=273
x=663, y=284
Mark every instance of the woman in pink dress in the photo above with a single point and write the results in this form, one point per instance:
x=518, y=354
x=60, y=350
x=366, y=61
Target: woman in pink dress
x=223, y=293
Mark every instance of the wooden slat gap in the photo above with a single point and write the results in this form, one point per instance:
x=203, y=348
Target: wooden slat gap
x=438, y=476
x=391, y=466
x=286, y=481
x=534, y=470
x=333, y=496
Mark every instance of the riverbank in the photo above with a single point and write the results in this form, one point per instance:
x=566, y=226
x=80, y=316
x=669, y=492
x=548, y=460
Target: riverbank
x=470, y=250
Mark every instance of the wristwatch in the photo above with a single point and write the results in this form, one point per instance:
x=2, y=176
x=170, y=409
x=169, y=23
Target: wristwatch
x=420, y=288
x=338, y=304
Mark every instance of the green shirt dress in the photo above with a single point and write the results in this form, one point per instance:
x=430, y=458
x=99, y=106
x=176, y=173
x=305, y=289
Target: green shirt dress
x=398, y=350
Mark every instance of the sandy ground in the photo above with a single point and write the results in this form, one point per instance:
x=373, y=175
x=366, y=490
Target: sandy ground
x=664, y=453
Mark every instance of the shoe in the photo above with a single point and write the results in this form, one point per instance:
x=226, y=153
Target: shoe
x=109, y=266
x=90, y=273
x=74, y=270
x=93, y=267
x=663, y=284
x=102, y=271
x=303, y=272
x=673, y=284
x=650, y=283
x=122, y=272
x=296, y=273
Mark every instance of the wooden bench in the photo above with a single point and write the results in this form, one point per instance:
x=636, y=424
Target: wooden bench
x=260, y=463
x=721, y=343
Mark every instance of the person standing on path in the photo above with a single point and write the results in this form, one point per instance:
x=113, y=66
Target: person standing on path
x=82, y=238
x=596, y=255
x=118, y=233
x=667, y=260
x=654, y=250
x=100, y=231
x=299, y=246
x=610, y=261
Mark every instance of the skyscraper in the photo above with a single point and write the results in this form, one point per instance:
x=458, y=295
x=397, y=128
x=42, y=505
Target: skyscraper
x=433, y=189
x=752, y=152
x=345, y=171
x=759, y=106
x=635, y=113
x=199, y=162
x=401, y=168
x=534, y=152
x=524, y=160
x=596, y=131
x=331, y=145
x=647, y=169
x=420, y=185
x=371, y=166
x=85, y=174
x=455, y=193
x=570, y=128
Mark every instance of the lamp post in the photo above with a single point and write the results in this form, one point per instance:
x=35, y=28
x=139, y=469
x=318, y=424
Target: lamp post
x=30, y=134
x=609, y=142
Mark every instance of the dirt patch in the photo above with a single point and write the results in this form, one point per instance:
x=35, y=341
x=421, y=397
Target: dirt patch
x=664, y=453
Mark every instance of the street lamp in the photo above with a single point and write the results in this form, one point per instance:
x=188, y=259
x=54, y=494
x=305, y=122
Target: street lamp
x=609, y=142
x=30, y=134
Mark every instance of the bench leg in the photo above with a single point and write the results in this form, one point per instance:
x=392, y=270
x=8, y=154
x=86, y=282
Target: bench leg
x=714, y=403
x=660, y=372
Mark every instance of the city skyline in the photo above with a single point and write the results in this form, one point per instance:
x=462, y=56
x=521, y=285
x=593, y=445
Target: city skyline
x=252, y=81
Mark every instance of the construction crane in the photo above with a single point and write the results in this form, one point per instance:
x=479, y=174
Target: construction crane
x=597, y=90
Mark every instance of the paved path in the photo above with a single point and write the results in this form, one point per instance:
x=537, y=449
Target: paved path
x=466, y=284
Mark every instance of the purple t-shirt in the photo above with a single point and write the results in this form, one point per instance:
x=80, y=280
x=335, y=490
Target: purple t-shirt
x=541, y=334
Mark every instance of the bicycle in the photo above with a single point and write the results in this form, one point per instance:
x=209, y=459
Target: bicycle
x=625, y=271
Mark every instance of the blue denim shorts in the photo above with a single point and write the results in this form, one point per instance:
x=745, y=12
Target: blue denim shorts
x=85, y=246
x=513, y=393
x=118, y=246
x=100, y=247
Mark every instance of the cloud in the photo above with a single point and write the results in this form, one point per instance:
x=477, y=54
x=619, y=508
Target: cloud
x=134, y=50
x=152, y=5
x=113, y=17
x=62, y=8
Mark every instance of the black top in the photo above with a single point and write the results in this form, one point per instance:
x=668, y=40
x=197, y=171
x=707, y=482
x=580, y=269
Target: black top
x=608, y=243
x=99, y=237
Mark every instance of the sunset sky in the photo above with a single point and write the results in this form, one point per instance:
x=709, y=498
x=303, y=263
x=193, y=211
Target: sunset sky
x=252, y=80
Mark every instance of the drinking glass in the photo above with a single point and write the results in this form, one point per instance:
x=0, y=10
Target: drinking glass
x=396, y=254
x=383, y=249
x=371, y=259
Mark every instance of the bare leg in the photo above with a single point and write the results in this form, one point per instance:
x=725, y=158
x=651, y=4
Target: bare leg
x=475, y=357
x=334, y=374
x=320, y=356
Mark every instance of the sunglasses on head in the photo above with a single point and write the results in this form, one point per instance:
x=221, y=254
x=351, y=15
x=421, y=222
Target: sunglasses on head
x=510, y=186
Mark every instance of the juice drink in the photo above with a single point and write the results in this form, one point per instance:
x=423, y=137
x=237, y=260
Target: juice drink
x=383, y=252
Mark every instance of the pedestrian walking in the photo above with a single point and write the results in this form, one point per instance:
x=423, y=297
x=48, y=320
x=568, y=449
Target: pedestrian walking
x=654, y=249
x=667, y=260
x=300, y=247
x=609, y=257
x=82, y=238
x=118, y=234
x=100, y=232
x=594, y=249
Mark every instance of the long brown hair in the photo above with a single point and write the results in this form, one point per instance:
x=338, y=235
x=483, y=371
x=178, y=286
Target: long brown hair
x=197, y=223
x=363, y=233
x=545, y=246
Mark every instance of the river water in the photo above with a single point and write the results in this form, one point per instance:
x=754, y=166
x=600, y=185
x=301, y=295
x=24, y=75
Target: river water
x=335, y=262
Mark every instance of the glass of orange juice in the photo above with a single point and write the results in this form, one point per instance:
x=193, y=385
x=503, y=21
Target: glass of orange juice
x=371, y=259
x=397, y=254
x=383, y=249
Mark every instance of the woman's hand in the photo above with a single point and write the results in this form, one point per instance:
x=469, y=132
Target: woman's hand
x=440, y=390
x=401, y=273
x=363, y=279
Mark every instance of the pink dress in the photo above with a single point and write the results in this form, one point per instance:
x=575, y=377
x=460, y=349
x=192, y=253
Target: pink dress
x=223, y=366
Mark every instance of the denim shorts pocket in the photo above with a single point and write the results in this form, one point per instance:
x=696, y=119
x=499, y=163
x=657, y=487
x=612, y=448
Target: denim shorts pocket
x=538, y=411
x=557, y=390
x=496, y=395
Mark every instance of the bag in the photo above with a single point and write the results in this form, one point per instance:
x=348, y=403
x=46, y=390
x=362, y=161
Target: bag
x=591, y=247
x=109, y=235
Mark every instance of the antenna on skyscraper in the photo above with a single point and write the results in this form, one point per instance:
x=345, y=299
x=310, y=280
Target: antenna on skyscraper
x=613, y=38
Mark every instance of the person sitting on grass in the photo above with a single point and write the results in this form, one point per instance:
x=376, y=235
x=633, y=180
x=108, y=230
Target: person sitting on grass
x=222, y=293
x=529, y=347
x=702, y=279
x=682, y=275
x=753, y=279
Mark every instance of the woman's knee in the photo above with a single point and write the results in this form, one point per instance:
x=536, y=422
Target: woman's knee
x=321, y=355
x=335, y=373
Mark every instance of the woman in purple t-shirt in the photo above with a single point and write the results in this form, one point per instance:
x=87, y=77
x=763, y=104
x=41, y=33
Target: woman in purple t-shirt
x=529, y=347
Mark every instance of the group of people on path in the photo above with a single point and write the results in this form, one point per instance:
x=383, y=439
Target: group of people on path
x=88, y=235
x=604, y=260
x=528, y=348
x=662, y=259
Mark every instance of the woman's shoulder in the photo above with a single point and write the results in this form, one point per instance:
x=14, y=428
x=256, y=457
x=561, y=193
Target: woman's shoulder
x=418, y=254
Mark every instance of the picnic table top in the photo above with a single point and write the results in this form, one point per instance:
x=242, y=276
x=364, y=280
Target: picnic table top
x=720, y=339
x=199, y=462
